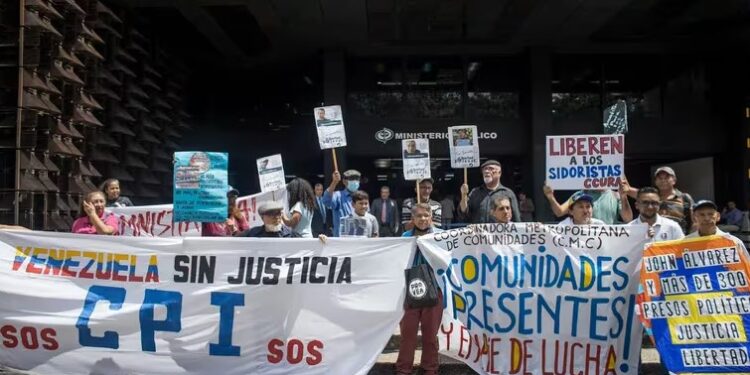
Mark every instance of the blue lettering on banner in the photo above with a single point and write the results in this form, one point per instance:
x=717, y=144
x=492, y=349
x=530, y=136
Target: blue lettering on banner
x=115, y=296
x=226, y=303
x=149, y=326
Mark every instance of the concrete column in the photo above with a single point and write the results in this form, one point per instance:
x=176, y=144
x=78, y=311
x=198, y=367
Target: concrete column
x=539, y=107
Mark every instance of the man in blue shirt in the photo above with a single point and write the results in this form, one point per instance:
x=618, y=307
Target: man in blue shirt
x=340, y=202
x=428, y=317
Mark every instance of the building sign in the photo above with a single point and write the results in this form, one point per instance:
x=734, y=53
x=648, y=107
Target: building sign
x=385, y=134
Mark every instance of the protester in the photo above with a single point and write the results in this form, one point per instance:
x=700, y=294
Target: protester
x=301, y=207
x=448, y=207
x=731, y=218
x=659, y=228
x=474, y=206
x=429, y=317
x=233, y=225
x=706, y=216
x=425, y=189
x=340, y=202
x=360, y=223
x=608, y=205
x=321, y=221
x=111, y=188
x=93, y=219
x=676, y=205
x=501, y=210
x=270, y=213
x=581, y=212
x=385, y=210
x=526, y=206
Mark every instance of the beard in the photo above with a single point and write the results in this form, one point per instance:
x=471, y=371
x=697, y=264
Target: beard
x=272, y=227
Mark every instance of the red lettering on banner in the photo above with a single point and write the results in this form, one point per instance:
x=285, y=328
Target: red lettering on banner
x=581, y=146
x=296, y=351
x=447, y=335
x=602, y=183
x=29, y=337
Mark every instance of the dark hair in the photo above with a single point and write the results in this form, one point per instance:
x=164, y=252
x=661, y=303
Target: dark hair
x=103, y=187
x=647, y=190
x=299, y=190
x=360, y=195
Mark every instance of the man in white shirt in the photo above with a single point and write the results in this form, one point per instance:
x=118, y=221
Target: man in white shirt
x=706, y=216
x=659, y=227
x=581, y=212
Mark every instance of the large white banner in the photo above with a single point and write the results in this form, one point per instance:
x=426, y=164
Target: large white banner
x=156, y=220
x=86, y=304
x=527, y=298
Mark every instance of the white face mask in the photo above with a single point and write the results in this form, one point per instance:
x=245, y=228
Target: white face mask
x=487, y=179
x=272, y=228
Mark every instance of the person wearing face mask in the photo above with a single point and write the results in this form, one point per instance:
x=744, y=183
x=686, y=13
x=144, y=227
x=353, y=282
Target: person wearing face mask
x=428, y=317
x=93, y=219
x=273, y=226
x=340, y=202
x=475, y=206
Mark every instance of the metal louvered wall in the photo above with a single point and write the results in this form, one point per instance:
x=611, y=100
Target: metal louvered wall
x=93, y=99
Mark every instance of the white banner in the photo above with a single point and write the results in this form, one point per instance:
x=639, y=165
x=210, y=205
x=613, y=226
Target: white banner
x=416, y=158
x=271, y=173
x=330, y=124
x=86, y=304
x=464, y=146
x=156, y=220
x=577, y=162
x=527, y=298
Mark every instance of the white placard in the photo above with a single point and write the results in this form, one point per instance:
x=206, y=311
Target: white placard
x=416, y=154
x=271, y=173
x=330, y=124
x=464, y=146
x=577, y=162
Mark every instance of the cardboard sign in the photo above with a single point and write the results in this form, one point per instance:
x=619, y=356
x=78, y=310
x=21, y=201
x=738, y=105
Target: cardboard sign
x=527, y=298
x=695, y=300
x=577, y=162
x=464, y=146
x=416, y=154
x=271, y=173
x=200, y=186
x=330, y=125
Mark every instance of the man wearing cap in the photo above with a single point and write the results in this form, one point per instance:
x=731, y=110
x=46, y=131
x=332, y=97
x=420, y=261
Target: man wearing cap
x=675, y=205
x=475, y=206
x=340, y=202
x=425, y=189
x=659, y=227
x=270, y=213
x=706, y=216
x=608, y=205
x=581, y=212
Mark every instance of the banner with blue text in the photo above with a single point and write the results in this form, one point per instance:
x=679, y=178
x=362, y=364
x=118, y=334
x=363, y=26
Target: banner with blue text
x=85, y=304
x=526, y=298
x=696, y=302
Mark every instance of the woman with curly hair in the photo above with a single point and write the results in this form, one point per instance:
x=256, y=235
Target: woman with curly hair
x=301, y=207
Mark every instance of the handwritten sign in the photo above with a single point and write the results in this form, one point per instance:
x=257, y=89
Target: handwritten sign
x=271, y=173
x=615, y=118
x=577, y=162
x=464, y=146
x=416, y=157
x=330, y=124
x=696, y=301
x=200, y=186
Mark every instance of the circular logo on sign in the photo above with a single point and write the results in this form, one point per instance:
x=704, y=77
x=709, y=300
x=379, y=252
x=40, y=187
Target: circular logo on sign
x=384, y=135
x=417, y=289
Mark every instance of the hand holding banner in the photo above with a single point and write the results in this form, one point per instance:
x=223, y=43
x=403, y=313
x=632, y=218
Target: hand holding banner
x=200, y=186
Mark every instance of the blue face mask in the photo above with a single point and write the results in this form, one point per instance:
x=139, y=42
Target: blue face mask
x=352, y=186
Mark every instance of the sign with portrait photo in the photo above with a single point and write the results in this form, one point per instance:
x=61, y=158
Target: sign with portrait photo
x=271, y=173
x=200, y=186
x=330, y=124
x=416, y=156
x=464, y=146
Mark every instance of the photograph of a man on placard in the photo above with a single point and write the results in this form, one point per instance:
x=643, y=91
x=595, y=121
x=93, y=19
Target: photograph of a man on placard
x=327, y=116
x=411, y=150
x=462, y=137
